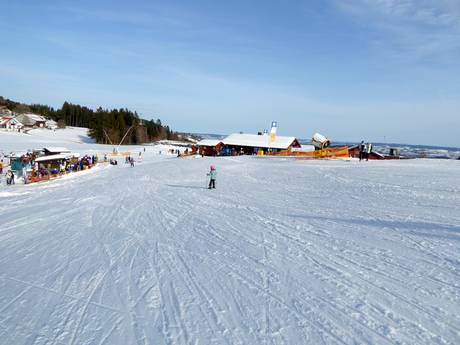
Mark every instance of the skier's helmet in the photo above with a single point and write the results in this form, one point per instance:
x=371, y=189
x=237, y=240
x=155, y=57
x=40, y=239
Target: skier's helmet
x=213, y=167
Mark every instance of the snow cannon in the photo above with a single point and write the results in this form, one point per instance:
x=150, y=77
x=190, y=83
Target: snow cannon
x=320, y=141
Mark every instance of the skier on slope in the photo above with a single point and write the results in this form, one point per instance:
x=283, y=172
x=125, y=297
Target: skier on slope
x=362, y=148
x=212, y=177
x=368, y=150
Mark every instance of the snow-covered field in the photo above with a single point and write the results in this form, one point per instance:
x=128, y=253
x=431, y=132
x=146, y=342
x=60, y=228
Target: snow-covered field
x=282, y=252
x=71, y=137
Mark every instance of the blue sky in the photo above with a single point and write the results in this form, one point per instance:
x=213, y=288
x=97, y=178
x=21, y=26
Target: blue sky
x=350, y=69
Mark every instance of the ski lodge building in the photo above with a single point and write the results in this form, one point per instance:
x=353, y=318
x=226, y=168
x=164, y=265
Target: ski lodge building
x=247, y=144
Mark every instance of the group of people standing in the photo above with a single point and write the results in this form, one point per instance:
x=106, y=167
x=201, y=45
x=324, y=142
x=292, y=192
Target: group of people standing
x=365, y=150
x=130, y=160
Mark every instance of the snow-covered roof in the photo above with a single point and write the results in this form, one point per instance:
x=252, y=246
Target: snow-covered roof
x=30, y=119
x=56, y=149
x=35, y=117
x=175, y=143
x=254, y=140
x=4, y=121
x=208, y=142
x=56, y=157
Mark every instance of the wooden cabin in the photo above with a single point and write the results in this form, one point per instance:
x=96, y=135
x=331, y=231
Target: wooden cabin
x=209, y=147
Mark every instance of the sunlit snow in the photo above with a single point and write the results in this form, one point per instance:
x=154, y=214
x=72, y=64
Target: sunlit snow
x=282, y=252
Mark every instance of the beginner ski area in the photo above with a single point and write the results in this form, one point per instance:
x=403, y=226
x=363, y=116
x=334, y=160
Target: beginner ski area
x=282, y=252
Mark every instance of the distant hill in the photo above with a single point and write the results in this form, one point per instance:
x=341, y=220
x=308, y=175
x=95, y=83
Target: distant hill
x=105, y=125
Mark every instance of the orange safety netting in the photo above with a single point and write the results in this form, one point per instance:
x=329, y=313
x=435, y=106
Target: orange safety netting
x=330, y=153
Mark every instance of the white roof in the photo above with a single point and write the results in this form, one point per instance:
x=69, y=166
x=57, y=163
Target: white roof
x=175, y=143
x=35, y=117
x=254, y=140
x=55, y=157
x=56, y=149
x=208, y=142
x=30, y=119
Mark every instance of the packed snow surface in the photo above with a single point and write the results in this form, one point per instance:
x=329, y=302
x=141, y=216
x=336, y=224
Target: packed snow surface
x=282, y=252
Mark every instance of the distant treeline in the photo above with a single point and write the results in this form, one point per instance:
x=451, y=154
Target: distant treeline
x=105, y=125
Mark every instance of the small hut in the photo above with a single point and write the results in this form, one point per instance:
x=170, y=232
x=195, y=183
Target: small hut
x=54, y=164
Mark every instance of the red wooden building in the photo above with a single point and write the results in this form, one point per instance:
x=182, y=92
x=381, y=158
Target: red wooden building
x=209, y=147
x=354, y=153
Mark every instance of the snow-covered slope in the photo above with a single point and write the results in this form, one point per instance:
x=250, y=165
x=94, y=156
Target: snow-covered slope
x=282, y=252
x=72, y=137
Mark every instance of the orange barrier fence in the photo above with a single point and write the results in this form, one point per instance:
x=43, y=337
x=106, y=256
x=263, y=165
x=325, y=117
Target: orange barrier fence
x=34, y=179
x=329, y=153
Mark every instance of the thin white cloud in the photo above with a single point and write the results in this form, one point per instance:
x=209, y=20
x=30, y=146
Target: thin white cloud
x=429, y=12
x=413, y=28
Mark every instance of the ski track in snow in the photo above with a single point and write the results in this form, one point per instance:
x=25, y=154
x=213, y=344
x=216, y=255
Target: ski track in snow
x=282, y=252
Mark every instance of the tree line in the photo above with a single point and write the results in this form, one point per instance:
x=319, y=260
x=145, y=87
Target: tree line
x=106, y=126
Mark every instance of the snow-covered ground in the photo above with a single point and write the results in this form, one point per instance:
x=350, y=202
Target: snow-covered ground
x=282, y=252
x=74, y=137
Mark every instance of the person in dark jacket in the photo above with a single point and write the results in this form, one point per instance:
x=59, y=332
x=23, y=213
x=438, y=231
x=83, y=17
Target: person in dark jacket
x=10, y=177
x=362, y=149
